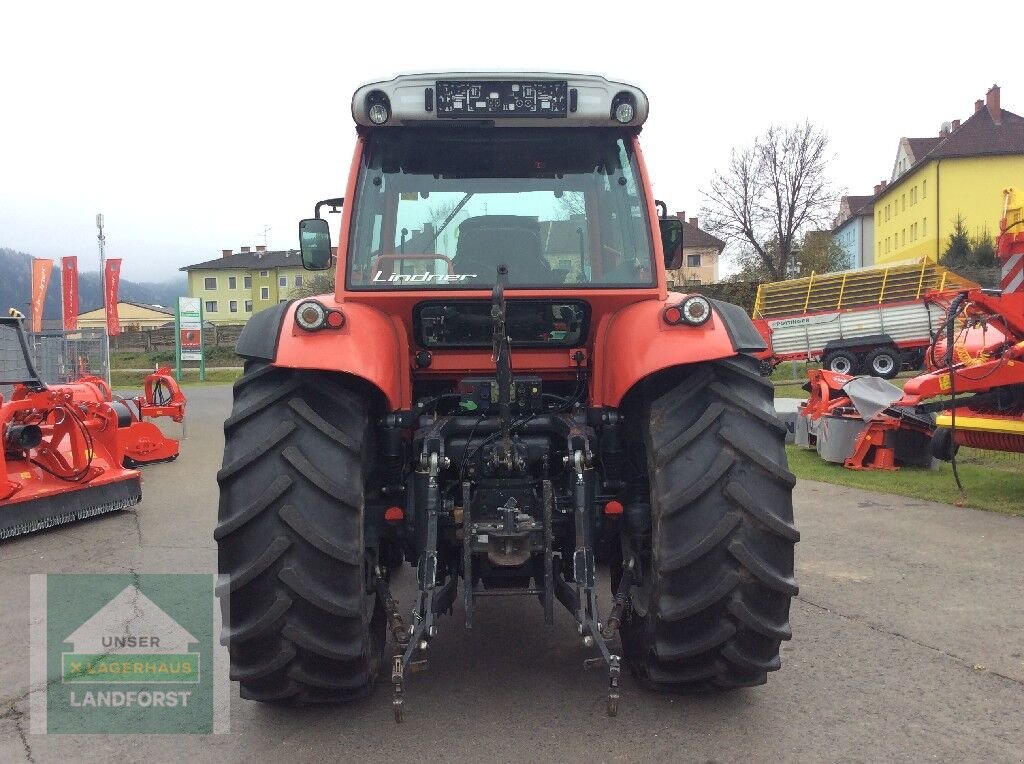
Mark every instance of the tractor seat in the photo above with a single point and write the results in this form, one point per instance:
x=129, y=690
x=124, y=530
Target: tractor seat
x=487, y=241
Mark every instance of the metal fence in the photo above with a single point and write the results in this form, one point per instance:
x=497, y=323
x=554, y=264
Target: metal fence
x=61, y=356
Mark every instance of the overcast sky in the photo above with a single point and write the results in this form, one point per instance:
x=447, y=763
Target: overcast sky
x=191, y=126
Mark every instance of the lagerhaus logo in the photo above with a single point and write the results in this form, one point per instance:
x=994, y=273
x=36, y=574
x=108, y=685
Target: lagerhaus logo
x=125, y=654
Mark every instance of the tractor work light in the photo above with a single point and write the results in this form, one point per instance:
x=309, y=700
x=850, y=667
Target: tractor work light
x=624, y=112
x=378, y=107
x=312, y=316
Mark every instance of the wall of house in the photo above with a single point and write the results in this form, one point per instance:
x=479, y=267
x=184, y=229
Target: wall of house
x=265, y=289
x=915, y=217
x=131, y=318
x=856, y=237
x=705, y=273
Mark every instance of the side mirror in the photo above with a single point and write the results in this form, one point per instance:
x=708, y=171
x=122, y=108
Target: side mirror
x=672, y=242
x=315, y=244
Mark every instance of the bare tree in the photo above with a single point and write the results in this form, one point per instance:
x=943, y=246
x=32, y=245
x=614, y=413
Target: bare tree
x=771, y=193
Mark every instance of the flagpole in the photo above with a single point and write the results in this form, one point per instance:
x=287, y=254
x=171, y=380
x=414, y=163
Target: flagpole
x=103, y=290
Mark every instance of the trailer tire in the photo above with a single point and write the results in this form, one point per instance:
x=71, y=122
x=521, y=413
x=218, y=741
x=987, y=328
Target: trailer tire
x=301, y=620
x=717, y=579
x=841, y=362
x=883, y=362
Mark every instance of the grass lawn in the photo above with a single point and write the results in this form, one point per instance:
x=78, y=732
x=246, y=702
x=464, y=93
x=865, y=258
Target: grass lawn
x=127, y=379
x=992, y=480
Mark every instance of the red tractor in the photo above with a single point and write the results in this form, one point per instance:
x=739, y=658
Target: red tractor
x=500, y=384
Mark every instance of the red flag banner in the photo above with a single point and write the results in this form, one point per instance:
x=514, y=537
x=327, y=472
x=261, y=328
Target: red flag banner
x=41, y=270
x=111, y=277
x=69, y=291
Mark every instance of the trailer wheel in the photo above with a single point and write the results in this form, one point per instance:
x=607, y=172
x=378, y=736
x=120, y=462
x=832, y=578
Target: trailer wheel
x=883, y=362
x=301, y=621
x=841, y=362
x=942, y=446
x=713, y=603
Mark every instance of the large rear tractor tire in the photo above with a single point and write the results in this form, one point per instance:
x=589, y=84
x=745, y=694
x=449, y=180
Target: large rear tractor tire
x=301, y=620
x=717, y=579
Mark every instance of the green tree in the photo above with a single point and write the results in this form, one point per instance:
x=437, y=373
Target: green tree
x=983, y=250
x=958, y=250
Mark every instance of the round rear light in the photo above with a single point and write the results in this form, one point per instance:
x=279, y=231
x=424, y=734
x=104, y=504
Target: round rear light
x=335, y=319
x=672, y=315
x=696, y=310
x=310, y=315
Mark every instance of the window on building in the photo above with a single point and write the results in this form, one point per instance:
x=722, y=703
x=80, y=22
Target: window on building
x=693, y=261
x=248, y=306
x=298, y=280
x=211, y=306
x=903, y=203
x=924, y=189
x=232, y=282
x=282, y=300
x=264, y=293
x=233, y=306
x=282, y=281
x=924, y=227
x=264, y=274
x=247, y=282
x=903, y=238
x=210, y=282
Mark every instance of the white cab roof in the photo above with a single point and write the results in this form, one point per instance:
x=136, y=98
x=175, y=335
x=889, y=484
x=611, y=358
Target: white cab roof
x=508, y=99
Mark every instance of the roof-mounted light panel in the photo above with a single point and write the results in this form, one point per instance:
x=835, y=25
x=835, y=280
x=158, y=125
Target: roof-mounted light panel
x=502, y=100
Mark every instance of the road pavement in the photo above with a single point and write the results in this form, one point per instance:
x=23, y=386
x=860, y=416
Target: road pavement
x=908, y=646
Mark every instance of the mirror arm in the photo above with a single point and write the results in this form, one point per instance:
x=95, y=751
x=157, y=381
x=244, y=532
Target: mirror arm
x=334, y=203
x=662, y=207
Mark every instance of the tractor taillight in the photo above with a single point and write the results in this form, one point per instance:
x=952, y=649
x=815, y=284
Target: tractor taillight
x=696, y=310
x=311, y=315
x=614, y=508
x=672, y=315
x=394, y=515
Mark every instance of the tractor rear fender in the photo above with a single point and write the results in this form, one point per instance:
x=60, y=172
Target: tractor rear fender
x=369, y=345
x=636, y=342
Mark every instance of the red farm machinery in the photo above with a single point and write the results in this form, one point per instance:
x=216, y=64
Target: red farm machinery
x=499, y=385
x=972, y=395
x=63, y=459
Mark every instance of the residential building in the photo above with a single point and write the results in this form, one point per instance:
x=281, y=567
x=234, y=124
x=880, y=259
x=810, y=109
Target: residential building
x=854, y=230
x=132, y=316
x=701, y=255
x=236, y=285
x=936, y=181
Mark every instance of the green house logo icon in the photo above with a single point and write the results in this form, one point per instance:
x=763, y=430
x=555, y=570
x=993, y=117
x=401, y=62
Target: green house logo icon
x=130, y=640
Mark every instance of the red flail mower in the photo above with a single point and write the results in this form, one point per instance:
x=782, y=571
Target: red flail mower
x=62, y=458
x=68, y=449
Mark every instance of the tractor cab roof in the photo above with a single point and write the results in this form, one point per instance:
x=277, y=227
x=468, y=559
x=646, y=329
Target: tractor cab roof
x=508, y=99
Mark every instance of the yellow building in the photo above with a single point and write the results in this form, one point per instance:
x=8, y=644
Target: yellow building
x=935, y=181
x=132, y=315
x=236, y=285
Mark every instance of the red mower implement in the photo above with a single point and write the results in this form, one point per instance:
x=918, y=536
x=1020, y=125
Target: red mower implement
x=62, y=458
x=143, y=442
x=982, y=356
